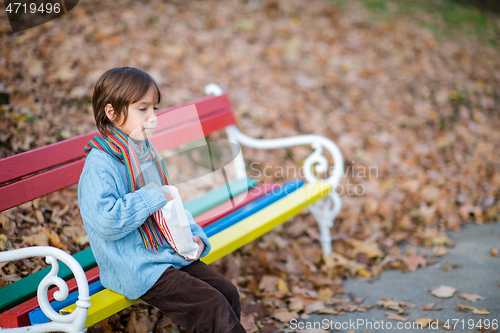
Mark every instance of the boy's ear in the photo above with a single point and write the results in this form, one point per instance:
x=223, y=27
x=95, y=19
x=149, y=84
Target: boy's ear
x=110, y=112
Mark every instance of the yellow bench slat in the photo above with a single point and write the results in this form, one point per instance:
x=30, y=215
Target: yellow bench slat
x=107, y=302
x=265, y=220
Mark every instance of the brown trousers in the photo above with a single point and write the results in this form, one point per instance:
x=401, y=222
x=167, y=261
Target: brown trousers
x=197, y=298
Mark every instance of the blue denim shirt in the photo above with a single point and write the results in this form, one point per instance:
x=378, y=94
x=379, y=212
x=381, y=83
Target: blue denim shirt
x=112, y=217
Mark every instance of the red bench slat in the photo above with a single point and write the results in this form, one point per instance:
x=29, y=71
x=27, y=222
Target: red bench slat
x=69, y=174
x=36, y=186
x=23, y=164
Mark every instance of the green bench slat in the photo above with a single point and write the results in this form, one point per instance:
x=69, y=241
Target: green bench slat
x=219, y=195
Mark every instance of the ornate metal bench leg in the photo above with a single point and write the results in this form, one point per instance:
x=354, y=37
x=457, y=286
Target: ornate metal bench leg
x=325, y=211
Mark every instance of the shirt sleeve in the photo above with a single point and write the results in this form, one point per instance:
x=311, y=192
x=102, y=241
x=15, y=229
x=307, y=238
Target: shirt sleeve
x=198, y=231
x=111, y=215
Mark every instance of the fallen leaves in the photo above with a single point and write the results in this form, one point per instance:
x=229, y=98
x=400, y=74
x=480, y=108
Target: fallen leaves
x=439, y=251
x=53, y=238
x=423, y=321
x=284, y=315
x=335, y=260
x=268, y=284
x=367, y=247
x=466, y=308
x=480, y=311
x=314, y=307
x=389, y=303
x=443, y=291
x=412, y=262
x=471, y=297
x=430, y=307
x=248, y=323
x=296, y=304
x=394, y=316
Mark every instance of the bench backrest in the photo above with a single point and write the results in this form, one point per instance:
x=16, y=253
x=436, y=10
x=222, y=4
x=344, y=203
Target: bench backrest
x=27, y=176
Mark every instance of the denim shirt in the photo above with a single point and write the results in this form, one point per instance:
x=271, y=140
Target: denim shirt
x=112, y=217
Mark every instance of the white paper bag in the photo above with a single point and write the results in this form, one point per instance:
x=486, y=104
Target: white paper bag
x=174, y=224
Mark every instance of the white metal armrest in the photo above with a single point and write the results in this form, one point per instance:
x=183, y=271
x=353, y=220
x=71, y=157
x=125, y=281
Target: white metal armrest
x=316, y=159
x=72, y=323
x=325, y=210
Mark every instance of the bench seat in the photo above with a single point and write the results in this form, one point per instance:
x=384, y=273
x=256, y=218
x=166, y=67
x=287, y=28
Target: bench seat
x=107, y=302
x=25, y=289
x=247, y=206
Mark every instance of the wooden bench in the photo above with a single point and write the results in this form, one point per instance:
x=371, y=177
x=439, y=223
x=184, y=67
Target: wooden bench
x=29, y=175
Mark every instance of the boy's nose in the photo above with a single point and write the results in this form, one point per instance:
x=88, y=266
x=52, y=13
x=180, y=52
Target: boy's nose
x=152, y=119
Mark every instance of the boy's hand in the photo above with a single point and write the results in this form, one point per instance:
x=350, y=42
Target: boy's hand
x=200, y=243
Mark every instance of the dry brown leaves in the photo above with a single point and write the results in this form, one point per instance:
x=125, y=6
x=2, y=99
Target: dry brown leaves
x=415, y=120
x=444, y=291
x=466, y=308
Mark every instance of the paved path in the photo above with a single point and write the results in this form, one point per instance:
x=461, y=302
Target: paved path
x=478, y=273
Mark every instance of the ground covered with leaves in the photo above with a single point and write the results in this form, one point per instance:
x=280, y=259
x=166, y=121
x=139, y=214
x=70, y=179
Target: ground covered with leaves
x=411, y=98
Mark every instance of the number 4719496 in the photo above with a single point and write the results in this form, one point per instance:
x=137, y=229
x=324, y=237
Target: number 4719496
x=470, y=324
x=23, y=8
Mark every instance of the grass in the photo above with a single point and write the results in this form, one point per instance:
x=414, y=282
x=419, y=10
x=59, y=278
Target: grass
x=445, y=18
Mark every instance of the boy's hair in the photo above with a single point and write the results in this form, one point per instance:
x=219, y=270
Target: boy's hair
x=120, y=87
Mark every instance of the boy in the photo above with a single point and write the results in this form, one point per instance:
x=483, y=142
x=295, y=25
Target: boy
x=117, y=208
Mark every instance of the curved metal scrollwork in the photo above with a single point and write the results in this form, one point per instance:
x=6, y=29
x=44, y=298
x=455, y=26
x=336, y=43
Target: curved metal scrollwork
x=326, y=210
x=72, y=323
x=316, y=159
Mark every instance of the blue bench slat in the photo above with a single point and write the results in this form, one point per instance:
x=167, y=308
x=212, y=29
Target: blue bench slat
x=252, y=207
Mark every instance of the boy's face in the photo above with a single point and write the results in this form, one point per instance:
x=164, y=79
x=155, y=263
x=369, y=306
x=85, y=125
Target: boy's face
x=141, y=120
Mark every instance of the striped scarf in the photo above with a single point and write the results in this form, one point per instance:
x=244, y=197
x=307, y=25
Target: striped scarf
x=118, y=145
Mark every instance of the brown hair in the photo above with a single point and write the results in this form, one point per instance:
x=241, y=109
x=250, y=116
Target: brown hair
x=119, y=87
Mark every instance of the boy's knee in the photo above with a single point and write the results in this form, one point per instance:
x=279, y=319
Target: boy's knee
x=230, y=291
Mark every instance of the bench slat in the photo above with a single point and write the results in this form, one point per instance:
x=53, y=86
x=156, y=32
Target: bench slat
x=47, y=182
x=265, y=220
x=39, y=185
x=23, y=164
x=252, y=208
x=38, y=317
x=224, y=209
x=105, y=303
x=191, y=130
x=218, y=196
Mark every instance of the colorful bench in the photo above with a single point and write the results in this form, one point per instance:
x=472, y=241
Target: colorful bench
x=30, y=175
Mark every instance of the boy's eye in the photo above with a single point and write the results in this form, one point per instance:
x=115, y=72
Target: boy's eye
x=143, y=109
